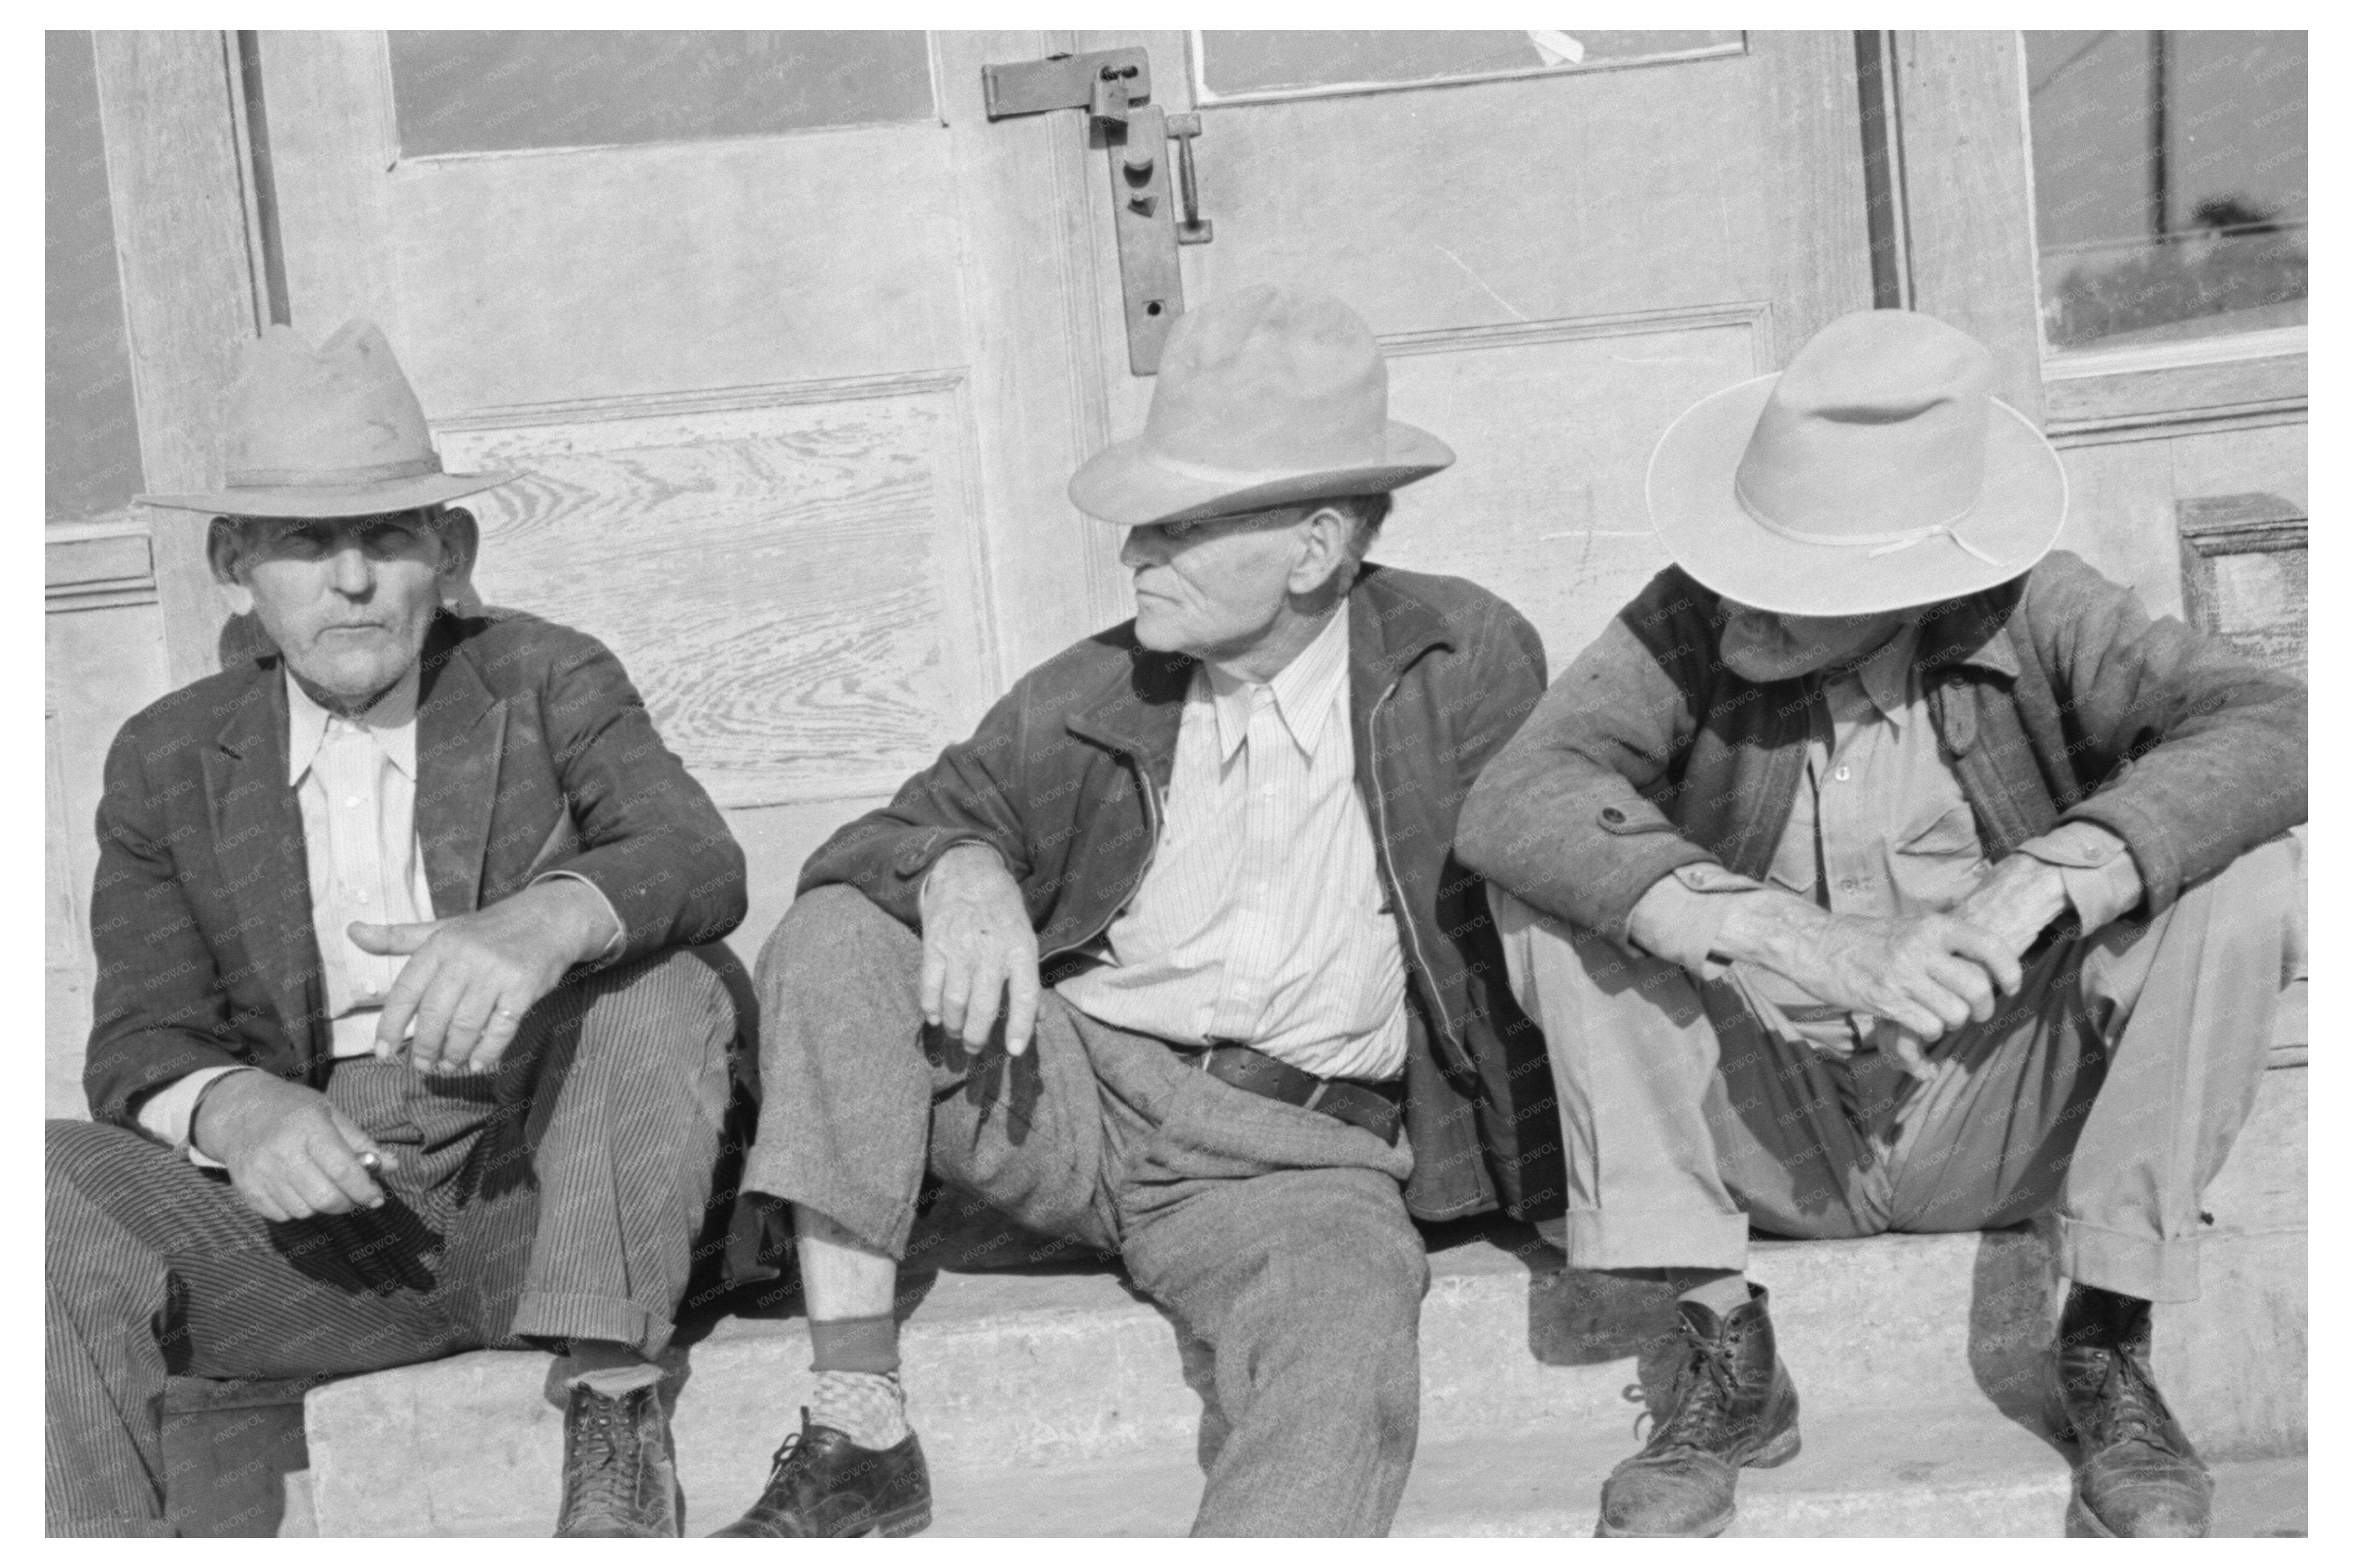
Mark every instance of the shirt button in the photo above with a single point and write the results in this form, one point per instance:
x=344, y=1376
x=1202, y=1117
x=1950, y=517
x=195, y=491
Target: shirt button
x=1841, y=774
x=352, y=801
x=361, y=895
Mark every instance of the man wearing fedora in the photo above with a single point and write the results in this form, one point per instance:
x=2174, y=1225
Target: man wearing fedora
x=1880, y=867
x=1171, y=958
x=399, y=1047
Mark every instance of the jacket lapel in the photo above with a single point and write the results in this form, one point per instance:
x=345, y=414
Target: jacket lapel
x=258, y=844
x=1388, y=631
x=461, y=739
x=1142, y=715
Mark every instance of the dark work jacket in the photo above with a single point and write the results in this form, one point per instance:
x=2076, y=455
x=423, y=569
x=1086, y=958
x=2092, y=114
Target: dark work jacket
x=2055, y=697
x=1065, y=778
x=533, y=754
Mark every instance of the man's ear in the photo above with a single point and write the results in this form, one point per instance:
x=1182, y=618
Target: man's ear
x=461, y=543
x=222, y=550
x=1325, y=551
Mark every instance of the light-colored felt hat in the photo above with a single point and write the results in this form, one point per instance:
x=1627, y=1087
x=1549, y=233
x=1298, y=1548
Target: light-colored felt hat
x=333, y=431
x=1875, y=473
x=1265, y=398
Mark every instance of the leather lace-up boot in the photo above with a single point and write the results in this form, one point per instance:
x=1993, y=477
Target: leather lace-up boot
x=2136, y=1473
x=1731, y=1403
x=824, y=1484
x=619, y=1479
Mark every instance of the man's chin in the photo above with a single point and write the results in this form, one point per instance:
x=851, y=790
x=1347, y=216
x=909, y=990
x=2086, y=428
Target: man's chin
x=352, y=678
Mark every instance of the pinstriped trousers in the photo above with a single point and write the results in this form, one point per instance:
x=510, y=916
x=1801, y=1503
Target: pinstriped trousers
x=556, y=1199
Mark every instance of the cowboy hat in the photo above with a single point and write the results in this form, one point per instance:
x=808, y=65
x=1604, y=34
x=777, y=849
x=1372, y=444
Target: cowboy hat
x=333, y=431
x=1875, y=473
x=1266, y=398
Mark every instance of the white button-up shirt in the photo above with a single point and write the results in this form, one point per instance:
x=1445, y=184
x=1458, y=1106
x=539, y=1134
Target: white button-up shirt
x=1260, y=919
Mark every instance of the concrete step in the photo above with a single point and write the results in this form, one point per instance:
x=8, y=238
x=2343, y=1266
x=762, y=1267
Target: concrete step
x=1047, y=1373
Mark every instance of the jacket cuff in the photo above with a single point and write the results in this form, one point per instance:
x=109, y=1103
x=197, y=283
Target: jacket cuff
x=620, y=932
x=2094, y=866
x=1678, y=918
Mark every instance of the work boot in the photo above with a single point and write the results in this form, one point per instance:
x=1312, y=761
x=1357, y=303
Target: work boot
x=2136, y=1473
x=619, y=1479
x=1731, y=1403
x=824, y=1484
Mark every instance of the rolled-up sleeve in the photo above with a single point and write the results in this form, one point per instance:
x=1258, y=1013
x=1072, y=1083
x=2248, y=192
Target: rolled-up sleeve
x=2095, y=867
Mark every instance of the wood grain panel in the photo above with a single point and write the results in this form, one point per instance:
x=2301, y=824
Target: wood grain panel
x=791, y=587
x=1553, y=428
x=187, y=288
x=629, y=271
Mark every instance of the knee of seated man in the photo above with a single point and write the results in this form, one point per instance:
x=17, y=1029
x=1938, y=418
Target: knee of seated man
x=671, y=1006
x=824, y=933
x=74, y=1151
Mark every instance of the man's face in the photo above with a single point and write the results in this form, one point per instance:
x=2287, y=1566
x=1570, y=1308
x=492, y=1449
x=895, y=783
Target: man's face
x=1213, y=588
x=346, y=599
x=1761, y=645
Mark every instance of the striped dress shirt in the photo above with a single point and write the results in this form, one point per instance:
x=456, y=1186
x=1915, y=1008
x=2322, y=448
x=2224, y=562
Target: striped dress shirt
x=1261, y=918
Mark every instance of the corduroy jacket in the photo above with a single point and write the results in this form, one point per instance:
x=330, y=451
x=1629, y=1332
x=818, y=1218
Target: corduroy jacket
x=533, y=754
x=2056, y=697
x=1065, y=777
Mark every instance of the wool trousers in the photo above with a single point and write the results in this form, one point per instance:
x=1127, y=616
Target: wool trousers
x=1278, y=1236
x=2109, y=1090
x=556, y=1199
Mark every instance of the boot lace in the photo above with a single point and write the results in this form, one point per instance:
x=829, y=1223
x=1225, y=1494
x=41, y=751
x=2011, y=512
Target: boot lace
x=2131, y=1410
x=600, y=1482
x=1706, y=1383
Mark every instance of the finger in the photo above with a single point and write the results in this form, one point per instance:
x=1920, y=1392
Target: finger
x=1915, y=1016
x=981, y=1006
x=335, y=1162
x=505, y=1022
x=955, y=995
x=362, y=1147
x=1908, y=1054
x=306, y=1190
x=930, y=994
x=1951, y=1011
x=400, y=1004
x=261, y=1200
x=466, y=1021
x=1020, y=1005
x=1975, y=942
x=1966, y=980
x=441, y=997
x=389, y=941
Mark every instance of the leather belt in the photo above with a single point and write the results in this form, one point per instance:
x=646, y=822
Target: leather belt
x=1378, y=1108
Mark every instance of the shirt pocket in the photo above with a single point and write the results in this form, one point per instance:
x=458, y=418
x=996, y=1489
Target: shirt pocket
x=1952, y=835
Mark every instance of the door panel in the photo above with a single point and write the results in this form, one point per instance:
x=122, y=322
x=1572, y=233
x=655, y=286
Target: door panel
x=1557, y=265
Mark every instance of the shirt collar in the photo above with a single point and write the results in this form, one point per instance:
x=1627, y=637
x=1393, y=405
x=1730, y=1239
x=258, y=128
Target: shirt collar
x=1886, y=675
x=390, y=721
x=1305, y=691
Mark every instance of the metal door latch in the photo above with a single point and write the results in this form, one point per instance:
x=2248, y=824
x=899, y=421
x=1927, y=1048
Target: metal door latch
x=1113, y=86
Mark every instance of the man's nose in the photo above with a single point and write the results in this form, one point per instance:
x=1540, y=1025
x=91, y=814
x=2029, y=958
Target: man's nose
x=350, y=572
x=1139, y=548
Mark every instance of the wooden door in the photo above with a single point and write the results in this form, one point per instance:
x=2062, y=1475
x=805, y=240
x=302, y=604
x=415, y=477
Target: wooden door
x=1562, y=240
x=798, y=354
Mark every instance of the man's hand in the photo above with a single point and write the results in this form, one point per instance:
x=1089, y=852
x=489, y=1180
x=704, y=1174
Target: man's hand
x=2021, y=897
x=470, y=979
x=1924, y=975
x=290, y=1153
x=977, y=946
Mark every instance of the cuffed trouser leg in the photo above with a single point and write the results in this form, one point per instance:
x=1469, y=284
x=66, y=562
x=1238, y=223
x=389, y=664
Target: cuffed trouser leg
x=622, y=1103
x=1681, y=1116
x=859, y=1098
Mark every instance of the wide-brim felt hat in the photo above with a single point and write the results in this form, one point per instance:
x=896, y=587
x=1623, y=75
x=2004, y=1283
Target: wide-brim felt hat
x=334, y=431
x=1267, y=397
x=1877, y=472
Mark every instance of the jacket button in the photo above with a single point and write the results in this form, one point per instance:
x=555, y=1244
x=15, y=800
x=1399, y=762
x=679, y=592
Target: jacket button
x=1612, y=813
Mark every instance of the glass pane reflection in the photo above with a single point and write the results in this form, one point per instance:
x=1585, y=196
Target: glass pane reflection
x=2169, y=173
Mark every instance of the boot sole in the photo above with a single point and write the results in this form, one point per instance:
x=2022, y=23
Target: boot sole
x=1783, y=1448
x=913, y=1520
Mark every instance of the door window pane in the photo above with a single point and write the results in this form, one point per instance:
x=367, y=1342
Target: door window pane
x=2168, y=183
x=487, y=93
x=1236, y=64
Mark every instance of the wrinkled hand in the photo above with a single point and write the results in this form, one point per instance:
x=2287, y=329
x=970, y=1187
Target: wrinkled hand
x=470, y=979
x=1924, y=975
x=978, y=947
x=290, y=1155
x=2018, y=899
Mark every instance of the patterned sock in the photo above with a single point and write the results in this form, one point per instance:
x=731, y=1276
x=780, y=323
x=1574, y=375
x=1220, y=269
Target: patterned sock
x=869, y=1408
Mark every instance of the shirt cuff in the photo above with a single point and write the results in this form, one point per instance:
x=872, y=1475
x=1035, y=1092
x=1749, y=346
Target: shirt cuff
x=166, y=1113
x=620, y=932
x=2097, y=870
x=1678, y=918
